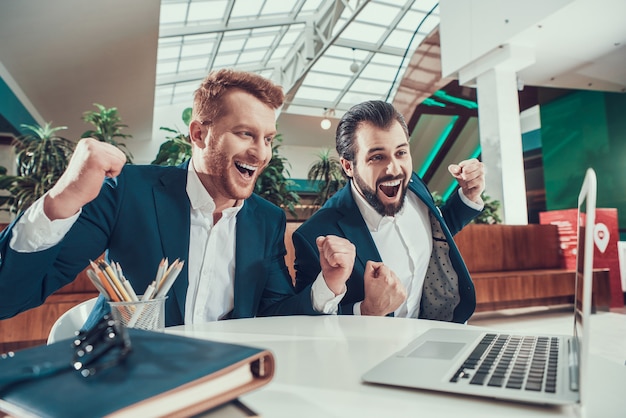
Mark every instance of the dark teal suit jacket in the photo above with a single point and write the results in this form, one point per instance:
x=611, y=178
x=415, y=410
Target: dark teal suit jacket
x=341, y=216
x=140, y=217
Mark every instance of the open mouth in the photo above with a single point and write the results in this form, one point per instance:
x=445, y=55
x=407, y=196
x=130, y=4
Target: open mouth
x=390, y=188
x=245, y=169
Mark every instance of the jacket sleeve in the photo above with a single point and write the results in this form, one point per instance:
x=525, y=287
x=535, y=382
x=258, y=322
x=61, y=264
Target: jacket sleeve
x=307, y=266
x=307, y=262
x=457, y=214
x=279, y=297
x=27, y=279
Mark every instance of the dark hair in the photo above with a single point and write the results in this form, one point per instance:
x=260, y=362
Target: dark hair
x=207, y=98
x=378, y=113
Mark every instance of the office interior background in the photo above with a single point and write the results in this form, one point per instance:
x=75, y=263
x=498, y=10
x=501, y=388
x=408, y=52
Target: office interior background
x=534, y=89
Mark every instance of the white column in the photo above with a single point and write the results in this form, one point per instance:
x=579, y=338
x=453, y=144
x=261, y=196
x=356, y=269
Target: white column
x=501, y=142
x=495, y=78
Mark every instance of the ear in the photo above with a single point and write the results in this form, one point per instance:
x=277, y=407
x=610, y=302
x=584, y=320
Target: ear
x=347, y=167
x=195, y=133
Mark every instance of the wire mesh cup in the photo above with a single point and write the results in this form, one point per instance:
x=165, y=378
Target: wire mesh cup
x=143, y=314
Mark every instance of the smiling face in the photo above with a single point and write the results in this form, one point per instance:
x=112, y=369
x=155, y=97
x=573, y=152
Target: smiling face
x=230, y=155
x=382, y=166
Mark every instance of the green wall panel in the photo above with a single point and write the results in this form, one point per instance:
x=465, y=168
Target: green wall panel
x=12, y=109
x=580, y=130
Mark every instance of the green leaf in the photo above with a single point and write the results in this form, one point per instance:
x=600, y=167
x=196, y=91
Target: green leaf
x=187, y=113
x=328, y=173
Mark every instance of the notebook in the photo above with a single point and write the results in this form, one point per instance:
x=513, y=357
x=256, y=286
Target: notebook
x=163, y=375
x=547, y=369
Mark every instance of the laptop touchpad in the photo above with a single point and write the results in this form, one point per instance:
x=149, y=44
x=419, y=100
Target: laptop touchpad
x=437, y=350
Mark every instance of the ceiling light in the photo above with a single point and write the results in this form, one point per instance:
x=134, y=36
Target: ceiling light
x=354, y=67
x=325, y=123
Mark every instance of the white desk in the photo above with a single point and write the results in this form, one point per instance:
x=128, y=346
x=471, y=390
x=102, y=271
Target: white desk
x=319, y=362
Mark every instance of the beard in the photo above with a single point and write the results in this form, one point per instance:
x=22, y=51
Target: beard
x=223, y=178
x=371, y=196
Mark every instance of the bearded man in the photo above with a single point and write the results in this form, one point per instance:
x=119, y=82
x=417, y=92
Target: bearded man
x=407, y=263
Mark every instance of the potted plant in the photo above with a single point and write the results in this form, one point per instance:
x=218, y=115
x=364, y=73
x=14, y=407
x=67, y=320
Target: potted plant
x=489, y=215
x=177, y=148
x=41, y=157
x=273, y=184
x=108, y=128
x=328, y=174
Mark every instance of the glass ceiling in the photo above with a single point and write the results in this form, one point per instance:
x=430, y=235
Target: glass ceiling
x=327, y=54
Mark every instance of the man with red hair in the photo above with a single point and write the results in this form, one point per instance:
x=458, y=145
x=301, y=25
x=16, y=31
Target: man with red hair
x=202, y=211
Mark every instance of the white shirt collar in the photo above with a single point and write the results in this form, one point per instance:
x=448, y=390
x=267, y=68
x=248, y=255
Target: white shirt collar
x=200, y=199
x=372, y=218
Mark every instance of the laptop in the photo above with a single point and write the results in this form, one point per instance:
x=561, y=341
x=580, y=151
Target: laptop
x=541, y=369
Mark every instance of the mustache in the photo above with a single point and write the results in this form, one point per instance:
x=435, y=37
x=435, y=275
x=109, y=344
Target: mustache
x=389, y=178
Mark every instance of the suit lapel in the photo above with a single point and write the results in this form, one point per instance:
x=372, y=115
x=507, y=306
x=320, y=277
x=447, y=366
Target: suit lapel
x=419, y=188
x=246, y=233
x=352, y=225
x=173, y=212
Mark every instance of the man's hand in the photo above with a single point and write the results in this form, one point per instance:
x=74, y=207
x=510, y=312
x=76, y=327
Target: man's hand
x=383, y=291
x=471, y=177
x=336, y=260
x=81, y=182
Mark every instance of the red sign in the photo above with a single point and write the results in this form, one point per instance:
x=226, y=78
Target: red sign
x=606, y=236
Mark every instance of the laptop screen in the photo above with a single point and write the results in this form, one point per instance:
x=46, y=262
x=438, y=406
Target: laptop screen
x=584, y=269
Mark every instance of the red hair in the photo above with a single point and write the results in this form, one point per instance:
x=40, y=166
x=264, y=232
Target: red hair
x=206, y=100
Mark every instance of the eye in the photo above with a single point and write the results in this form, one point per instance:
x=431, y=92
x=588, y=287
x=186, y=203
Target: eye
x=402, y=153
x=376, y=157
x=245, y=134
x=269, y=140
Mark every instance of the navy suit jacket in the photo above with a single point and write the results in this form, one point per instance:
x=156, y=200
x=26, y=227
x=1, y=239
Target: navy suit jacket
x=140, y=217
x=341, y=216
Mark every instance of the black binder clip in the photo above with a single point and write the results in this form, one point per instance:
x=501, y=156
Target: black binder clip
x=105, y=345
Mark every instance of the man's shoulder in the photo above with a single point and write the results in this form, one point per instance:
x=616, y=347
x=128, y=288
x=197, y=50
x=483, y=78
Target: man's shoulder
x=257, y=203
x=151, y=169
x=140, y=176
x=322, y=222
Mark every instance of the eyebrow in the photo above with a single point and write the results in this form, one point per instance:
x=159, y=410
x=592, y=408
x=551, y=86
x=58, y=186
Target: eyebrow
x=249, y=128
x=377, y=149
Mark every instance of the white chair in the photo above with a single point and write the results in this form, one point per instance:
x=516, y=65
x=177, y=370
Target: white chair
x=71, y=321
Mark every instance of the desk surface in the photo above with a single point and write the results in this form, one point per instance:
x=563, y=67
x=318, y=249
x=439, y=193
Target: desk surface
x=319, y=362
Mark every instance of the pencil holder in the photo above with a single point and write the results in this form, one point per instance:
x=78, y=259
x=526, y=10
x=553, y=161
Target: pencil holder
x=147, y=314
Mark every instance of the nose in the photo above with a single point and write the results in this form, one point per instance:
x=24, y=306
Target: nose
x=260, y=150
x=393, y=167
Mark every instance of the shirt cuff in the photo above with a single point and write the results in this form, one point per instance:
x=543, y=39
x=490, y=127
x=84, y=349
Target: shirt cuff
x=34, y=231
x=356, y=308
x=471, y=203
x=324, y=300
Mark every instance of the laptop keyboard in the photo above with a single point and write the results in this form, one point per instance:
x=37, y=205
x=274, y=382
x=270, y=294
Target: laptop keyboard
x=512, y=362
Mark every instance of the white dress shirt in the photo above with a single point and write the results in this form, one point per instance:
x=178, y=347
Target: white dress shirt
x=210, y=294
x=404, y=242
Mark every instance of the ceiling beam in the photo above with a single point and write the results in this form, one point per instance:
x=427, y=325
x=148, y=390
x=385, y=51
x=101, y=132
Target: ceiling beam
x=228, y=27
x=319, y=38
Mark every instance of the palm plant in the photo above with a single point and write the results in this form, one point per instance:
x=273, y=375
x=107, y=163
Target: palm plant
x=41, y=157
x=108, y=128
x=328, y=174
x=177, y=148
